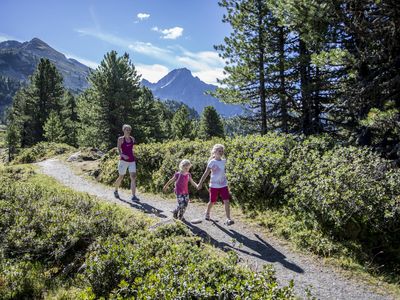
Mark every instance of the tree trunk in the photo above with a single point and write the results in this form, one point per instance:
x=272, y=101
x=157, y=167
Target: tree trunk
x=261, y=70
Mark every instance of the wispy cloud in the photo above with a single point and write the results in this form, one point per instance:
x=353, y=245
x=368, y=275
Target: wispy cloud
x=5, y=37
x=147, y=49
x=207, y=65
x=87, y=62
x=152, y=73
x=169, y=34
x=143, y=16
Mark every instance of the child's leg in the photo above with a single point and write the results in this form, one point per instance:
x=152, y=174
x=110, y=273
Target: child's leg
x=225, y=198
x=227, y=209
x=209, y=206
x=183, y=205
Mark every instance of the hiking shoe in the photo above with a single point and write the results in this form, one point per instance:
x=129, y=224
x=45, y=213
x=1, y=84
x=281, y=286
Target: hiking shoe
x=116, y=195
x=229, y=222
x=135, y=199
x=207, y=217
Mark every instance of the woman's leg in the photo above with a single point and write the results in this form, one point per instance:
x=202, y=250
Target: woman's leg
x=118, y=182
x=133, y=183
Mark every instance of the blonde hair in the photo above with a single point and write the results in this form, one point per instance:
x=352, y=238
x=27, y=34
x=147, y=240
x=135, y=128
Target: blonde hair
x=126, y=126
x=183, y=163
x=214, y=149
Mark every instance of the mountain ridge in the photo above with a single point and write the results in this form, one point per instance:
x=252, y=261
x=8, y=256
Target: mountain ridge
x=181, y=85
x=18, y=61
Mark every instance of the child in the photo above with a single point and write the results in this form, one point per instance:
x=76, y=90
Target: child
x=181, y=190
x=126, y=161
x=218, y=182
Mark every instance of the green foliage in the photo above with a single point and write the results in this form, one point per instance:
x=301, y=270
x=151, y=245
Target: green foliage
x=41, y=151
x=116, y=98
x=181, y=125
x=255, y=167
x=53, y=129
x=210, y=124
x=350, y=193
x=58, y=243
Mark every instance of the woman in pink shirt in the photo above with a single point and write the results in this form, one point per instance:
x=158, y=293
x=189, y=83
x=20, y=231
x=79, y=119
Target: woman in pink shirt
x=181, y=180
x=127, y=161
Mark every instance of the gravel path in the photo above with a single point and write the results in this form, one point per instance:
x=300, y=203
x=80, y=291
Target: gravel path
x=254, y=249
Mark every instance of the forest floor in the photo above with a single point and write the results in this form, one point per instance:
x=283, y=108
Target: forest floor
x=255, y=246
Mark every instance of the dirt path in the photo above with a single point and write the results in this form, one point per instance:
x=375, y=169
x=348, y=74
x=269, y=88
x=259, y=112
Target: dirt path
x=252, y=246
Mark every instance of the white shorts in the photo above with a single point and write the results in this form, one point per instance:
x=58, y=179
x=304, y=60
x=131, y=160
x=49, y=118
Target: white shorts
x=123, y=165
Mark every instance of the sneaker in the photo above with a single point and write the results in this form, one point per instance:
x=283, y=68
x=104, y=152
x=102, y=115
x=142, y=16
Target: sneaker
x=175, y=214
x=229, y=222
x=207, y=217
x=135, y=199
x=116, y=195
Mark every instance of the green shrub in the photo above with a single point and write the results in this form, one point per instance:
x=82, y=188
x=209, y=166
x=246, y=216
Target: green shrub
x=21, y=280
x=255, y=167
x=351, y=192
x=41, y=151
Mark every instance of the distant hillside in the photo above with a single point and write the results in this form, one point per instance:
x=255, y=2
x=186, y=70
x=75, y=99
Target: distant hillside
x=19, y=60
x=181, y=85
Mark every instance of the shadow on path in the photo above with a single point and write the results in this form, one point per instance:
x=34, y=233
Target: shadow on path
x=261, y=248
x=144, y=207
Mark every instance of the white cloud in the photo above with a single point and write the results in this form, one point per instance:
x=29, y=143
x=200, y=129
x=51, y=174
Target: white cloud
x=136, y=46
x=5, y=37
x=207, y=65
x=143, y=16
x=152, y=73
x=87, y=62
x=171, y=33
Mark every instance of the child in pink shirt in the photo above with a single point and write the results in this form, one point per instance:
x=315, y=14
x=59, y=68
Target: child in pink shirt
x=181, y=190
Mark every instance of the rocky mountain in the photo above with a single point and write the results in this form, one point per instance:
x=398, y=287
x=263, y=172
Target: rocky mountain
x=19, y=60
x=181, y=85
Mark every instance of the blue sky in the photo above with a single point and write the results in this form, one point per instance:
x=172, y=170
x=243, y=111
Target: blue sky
x=159, y=35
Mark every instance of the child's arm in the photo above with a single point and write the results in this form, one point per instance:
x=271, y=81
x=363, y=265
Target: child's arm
x=171, y=180
x=193, y=183
x=206, y=173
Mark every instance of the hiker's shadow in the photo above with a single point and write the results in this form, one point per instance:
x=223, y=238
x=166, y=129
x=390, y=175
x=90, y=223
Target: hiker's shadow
x=259, y=249
x=207, y=238
x=144, y=207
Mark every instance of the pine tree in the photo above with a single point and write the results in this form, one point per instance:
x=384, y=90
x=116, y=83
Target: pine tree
x=44, y=95
x=210, y=124
x=69, y=118
x=54, y=129
x=111, y=101
x=33, y=104
x=181, y=126
x=245, y=52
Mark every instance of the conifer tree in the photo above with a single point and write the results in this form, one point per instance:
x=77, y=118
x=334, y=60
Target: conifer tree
x=33, y=104
x=110, y=102
x=54, y=129
x=69, y=118
x=210, y=124
x=181, y=126
x=245, y=53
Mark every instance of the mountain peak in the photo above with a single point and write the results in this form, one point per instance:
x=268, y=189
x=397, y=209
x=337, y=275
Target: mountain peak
x=181, y=85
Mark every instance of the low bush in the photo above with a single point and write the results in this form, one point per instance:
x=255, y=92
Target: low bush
x=41, y=151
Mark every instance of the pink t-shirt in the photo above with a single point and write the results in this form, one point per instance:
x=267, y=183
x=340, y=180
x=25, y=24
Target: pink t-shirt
x=218, y=177
x=181, y=183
